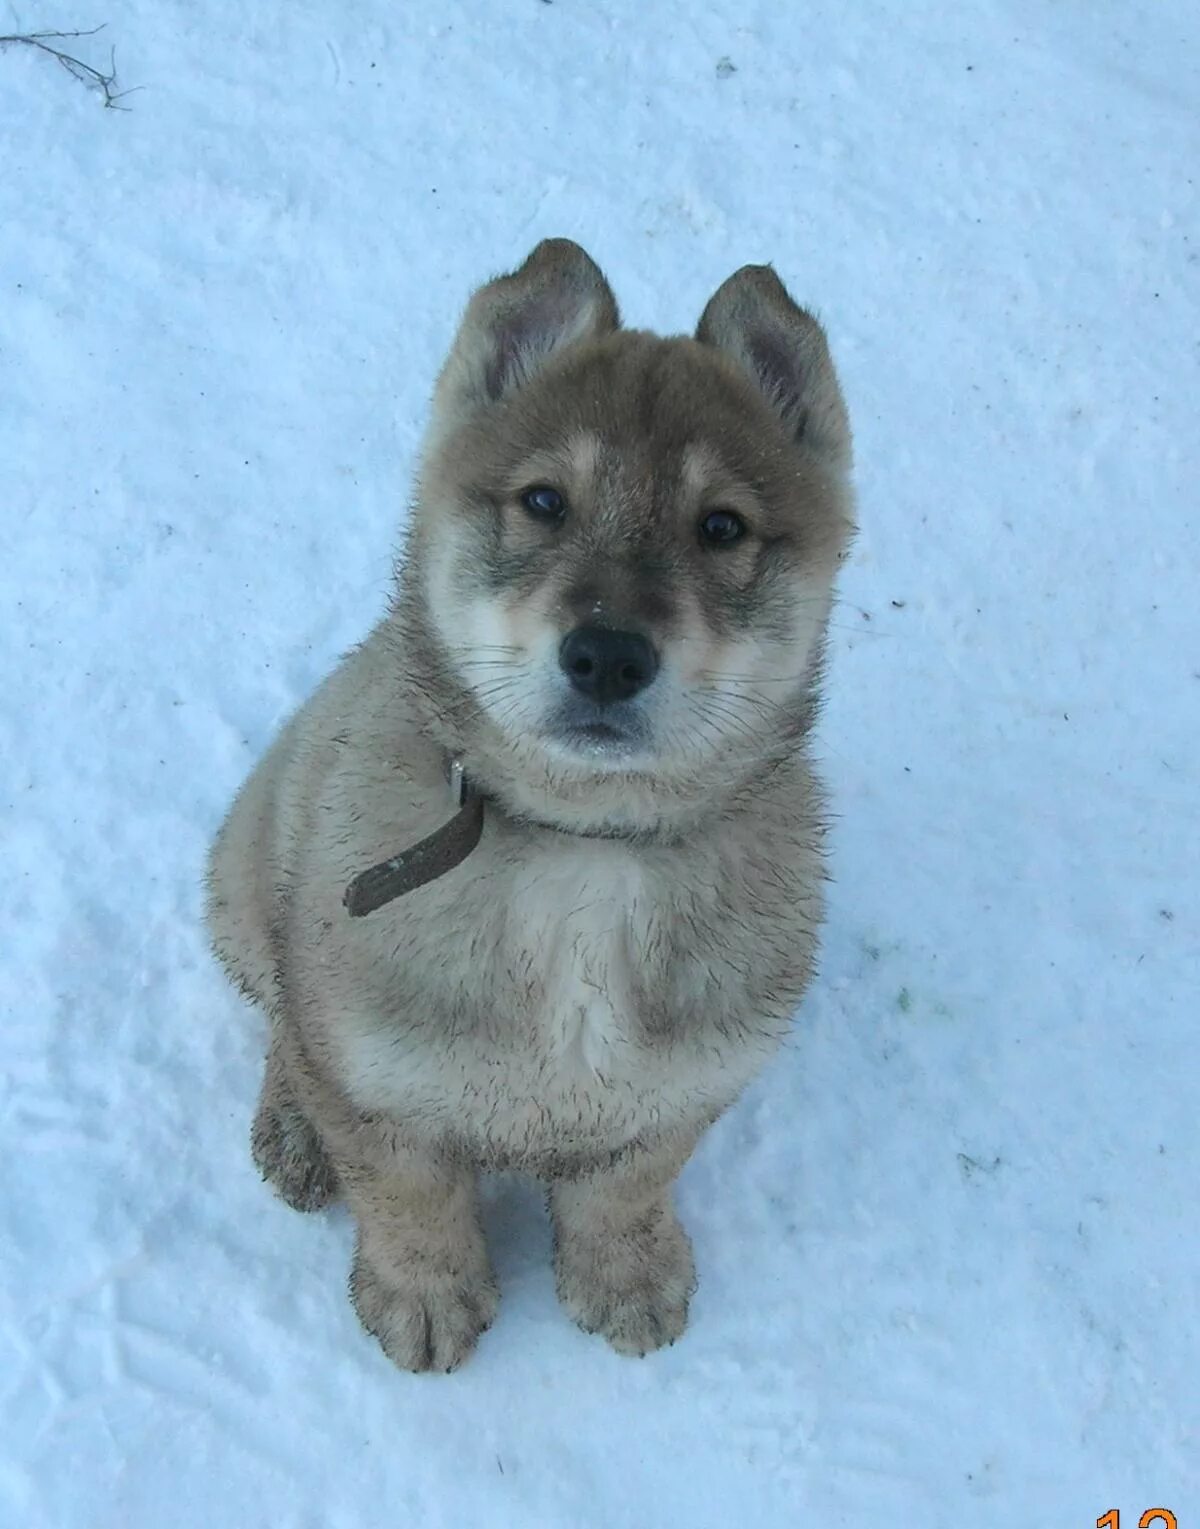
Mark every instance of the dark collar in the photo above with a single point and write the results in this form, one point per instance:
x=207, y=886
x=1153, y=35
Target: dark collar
x=443, y=849
x=426, y=860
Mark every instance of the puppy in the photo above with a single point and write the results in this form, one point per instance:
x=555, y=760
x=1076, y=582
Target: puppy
x=534, y=880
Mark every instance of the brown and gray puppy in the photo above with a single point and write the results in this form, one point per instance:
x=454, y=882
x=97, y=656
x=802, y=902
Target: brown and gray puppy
x=610, y=614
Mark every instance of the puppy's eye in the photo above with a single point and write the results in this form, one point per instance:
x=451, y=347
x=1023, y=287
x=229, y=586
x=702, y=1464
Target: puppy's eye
x=544, y=503
x=721, y=528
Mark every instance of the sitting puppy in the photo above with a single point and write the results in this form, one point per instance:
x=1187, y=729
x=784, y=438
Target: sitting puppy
x=534, y=880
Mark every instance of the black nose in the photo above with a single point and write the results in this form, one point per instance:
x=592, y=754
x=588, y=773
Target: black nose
x=607, y=666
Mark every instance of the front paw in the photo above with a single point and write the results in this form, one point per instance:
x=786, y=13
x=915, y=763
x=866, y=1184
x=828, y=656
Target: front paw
x=291, y=1156
x=633, y=1287
x=424, y=1319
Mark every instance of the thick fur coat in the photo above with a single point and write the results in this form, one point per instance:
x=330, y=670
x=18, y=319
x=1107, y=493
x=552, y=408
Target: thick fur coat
x=611, y=611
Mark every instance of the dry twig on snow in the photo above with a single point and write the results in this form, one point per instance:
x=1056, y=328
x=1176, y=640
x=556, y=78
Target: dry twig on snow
x=93, y=78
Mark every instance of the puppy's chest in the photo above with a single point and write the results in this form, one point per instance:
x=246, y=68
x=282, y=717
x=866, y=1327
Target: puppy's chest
x=564, y=965
x=540, y=989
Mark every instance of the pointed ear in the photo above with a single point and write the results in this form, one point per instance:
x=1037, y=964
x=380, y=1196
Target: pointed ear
x=783, y=350
x=513, y=326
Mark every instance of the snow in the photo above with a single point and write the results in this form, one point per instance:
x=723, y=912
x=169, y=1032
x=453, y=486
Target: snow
x=948, y=1243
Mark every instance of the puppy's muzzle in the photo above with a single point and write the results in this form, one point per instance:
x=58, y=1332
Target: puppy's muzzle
x=605, y=665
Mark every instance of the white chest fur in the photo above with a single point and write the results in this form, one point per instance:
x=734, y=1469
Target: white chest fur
x=575, y=930
x=555, y=1058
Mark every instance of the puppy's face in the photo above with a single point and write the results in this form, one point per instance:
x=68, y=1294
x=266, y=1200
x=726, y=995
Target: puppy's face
x=628, y=543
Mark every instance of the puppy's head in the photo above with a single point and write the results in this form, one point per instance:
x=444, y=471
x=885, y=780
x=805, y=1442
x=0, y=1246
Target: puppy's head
x=624, y=546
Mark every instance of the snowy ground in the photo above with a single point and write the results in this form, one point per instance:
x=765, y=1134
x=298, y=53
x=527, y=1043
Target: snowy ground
x=948, y=1245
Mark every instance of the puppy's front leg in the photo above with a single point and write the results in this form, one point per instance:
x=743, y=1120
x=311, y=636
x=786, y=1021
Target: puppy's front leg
x=421, y=1281
x=623, y=1263
x=287, y=1149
